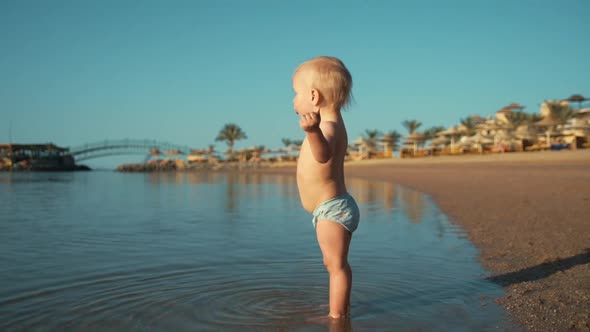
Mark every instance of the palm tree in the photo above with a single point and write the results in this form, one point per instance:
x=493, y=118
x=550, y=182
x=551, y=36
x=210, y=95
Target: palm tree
x=431, y=132
x=287, y=142
x=411, y=125
x=469, y=125
x=530, y=121
x=391, y=139
x=532, y=118
x=578, y=99
x=230, y=133
x=561, y=112
x=370, y=138
x=257, y=152
x=517, y=119
x=290, y=146
x=210, y=151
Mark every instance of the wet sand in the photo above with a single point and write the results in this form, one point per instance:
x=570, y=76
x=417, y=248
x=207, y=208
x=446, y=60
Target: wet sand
x=528, y=213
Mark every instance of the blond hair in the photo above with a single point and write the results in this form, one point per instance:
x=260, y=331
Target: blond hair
x=331, y=77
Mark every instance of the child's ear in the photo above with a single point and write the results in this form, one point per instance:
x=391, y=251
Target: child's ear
x=315, y=97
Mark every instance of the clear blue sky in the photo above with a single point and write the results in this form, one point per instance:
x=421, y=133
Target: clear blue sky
x=74, y=72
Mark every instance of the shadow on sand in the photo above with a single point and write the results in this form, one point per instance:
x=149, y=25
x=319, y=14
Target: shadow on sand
x=542, y=270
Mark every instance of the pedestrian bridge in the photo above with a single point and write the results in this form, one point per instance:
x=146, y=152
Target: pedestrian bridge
x=109, y=148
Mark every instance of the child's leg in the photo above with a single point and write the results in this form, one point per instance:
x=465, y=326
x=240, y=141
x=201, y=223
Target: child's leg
x=334, y=241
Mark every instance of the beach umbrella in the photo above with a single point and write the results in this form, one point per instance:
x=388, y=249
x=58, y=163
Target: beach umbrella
x=387, y=140
x=361, y=144
x=503, y=137
x=359, y=141
x=415, y=138
x=480, y=139
x=576, y=99
x=509, y=108
x=548, y=122
x=514, y=106
x=453, y=133
x=407, y=146
x=476, y=119
x=441, y=140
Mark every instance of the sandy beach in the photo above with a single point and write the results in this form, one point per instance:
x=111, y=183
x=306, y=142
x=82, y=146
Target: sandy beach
x=528, y=213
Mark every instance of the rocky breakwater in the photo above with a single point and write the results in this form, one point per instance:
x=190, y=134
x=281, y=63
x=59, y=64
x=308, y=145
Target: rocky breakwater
x=177, y=165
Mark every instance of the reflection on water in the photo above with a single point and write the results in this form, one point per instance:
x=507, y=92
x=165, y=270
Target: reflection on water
x=385, y=197
x=414, y=205
x=211, y=251
x=235, y=184
x=378, y=196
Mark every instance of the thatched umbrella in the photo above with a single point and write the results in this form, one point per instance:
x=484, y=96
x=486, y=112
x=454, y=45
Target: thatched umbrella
x=510, y=108
x=504, y=137
x=495, y=126
x=549, y=122
x=415, y=138
x=387, y=141
x=480, y=139
x=513, y=106
x=576, y=99
x=452, y=132
x=440, y=140
x=361, y=144
x=524, y=134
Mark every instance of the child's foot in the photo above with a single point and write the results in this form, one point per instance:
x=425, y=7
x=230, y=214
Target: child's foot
x=326, y=319
x=338, y=316
x=339, y=324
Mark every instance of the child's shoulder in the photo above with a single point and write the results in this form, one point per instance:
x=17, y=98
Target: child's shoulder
x=333, y=128
x=331, y=125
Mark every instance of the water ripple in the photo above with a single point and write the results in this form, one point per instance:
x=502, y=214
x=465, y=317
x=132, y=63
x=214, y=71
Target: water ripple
x=105, y=252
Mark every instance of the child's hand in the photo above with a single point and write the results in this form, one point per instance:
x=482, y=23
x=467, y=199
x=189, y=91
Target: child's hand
x=310, y=122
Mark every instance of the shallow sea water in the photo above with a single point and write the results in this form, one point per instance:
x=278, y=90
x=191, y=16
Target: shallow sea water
x=103, y=251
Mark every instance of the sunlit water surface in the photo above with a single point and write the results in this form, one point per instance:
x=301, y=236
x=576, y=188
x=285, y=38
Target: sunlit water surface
x=104, y=251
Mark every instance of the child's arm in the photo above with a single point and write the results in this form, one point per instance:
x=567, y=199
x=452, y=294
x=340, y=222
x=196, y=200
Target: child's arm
x=320, y=139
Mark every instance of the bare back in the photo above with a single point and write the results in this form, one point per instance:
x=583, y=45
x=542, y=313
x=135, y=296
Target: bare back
x=319, y=182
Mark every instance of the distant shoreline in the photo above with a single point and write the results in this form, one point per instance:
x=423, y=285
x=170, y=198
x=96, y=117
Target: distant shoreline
x=520, y=157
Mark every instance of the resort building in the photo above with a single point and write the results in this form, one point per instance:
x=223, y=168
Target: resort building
x=35, y=157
